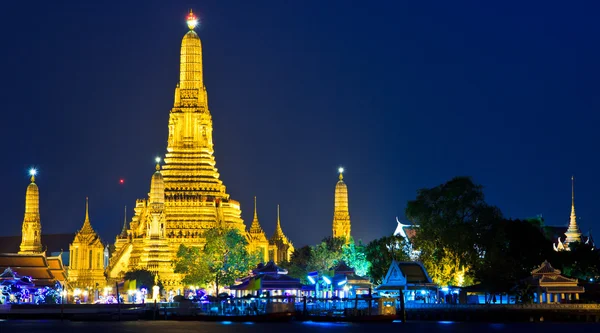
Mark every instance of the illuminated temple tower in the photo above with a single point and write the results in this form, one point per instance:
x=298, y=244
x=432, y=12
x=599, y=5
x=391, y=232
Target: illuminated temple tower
x=280, y=247
x=257, y=237
x=573, y=234
x=187, y=195
x=31, y=241
x=341, y=215
x=86, y=253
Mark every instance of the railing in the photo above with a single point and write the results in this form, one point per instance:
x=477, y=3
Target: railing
x=411, y=305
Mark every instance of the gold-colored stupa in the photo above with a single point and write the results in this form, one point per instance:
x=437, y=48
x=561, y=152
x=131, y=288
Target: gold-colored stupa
x=341, y=215
x=186, y=196
x=31, y=241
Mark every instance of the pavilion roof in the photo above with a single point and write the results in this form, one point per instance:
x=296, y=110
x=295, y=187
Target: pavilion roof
x=545, y=268
x=414, y=272
x=564, y=289
x=269, y=268
x=342, y=268
x=559, y=279
x=268, y=282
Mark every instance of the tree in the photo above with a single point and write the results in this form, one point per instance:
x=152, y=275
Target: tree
x=582, y=261
x=512, y=249
x=143, y=278
x=192, y=263
x=226, y=252
x=355, y=257
x=322, y=258
x=335, y=244
x=380, y=253
x=224, y=258
x=452, y=218
x=298, y=265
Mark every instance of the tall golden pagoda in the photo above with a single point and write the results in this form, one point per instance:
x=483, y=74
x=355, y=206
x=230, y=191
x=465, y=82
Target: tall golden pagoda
x=86, y=253
x=31, y=241
x=573, y=234
x=341, y=215
x=187, y=195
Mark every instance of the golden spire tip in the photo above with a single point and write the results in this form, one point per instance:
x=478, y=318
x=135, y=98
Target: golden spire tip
x=32, y=173
x=87, y=215
x=255, y=212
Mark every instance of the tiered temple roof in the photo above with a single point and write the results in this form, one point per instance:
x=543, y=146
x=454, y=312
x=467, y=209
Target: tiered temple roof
x=549, y=280
x=36, y=266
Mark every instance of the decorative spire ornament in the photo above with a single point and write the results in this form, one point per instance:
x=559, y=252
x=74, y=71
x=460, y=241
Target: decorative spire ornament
x=192, y=20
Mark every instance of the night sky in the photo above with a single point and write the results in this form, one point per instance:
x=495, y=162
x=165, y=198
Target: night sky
x=402, y=94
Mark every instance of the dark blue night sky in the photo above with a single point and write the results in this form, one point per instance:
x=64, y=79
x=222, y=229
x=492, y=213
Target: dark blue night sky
x=403, y=94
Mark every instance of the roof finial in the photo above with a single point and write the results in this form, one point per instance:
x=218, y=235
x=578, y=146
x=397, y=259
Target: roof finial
x=573, y=192
x=341, y=171
x=192, y=20
x=278, y=221
x=87, y=215
x=255, y=213
x=157, y=159
x=32, y=173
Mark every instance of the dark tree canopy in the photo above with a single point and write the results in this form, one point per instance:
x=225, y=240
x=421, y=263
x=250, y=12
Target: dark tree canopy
x=451, y=220
x=381, y=252
x=143, y=278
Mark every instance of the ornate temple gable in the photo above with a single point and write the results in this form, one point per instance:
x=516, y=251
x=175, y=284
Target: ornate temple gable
x=341, y=214
x=86, y=235
x=394, y=276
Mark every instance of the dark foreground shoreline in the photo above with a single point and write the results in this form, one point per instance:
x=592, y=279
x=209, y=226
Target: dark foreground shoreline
x=46, y=326
x=483, y=314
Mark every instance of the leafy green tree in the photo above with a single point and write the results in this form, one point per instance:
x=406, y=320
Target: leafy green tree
x=322, y=258
x=224, y=258
x=192, y=263
x=452, y=218
x=354, y=255
x=379, y=253
x=335, y=244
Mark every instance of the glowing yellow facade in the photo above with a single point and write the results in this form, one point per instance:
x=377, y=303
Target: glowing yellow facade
x=31, y=233
x=257, y=237
x=187, y=196
x=341, y=215
x=280, y=247
x=86, y=257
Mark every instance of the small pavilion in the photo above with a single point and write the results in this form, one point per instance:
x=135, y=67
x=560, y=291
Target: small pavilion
x=410, y=277
x=552, y=287
x=267, y=278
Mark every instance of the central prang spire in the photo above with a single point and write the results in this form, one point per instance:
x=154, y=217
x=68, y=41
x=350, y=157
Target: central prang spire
x=341, y=215
x=190, y=71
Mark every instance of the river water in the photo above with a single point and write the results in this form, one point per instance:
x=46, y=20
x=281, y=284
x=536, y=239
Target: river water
x=31, y=326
